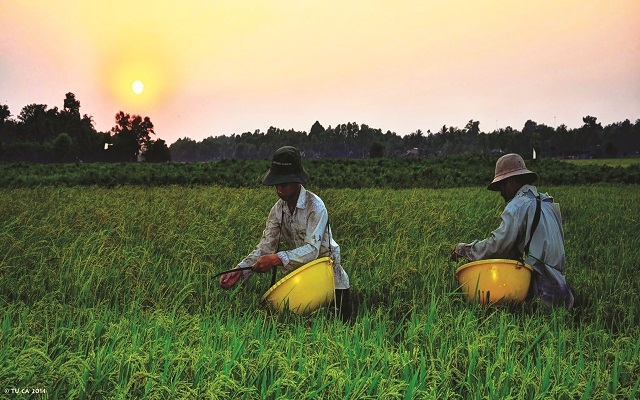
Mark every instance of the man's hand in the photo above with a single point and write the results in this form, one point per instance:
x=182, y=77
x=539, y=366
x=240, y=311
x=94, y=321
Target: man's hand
x=227, y=281
x=266, y=262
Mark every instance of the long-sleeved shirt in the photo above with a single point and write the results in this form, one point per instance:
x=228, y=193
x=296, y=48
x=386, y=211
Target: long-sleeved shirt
x=306, y=233
x=546, y=252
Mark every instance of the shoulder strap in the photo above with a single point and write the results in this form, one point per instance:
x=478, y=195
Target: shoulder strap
x=534, y=224
x=274, y=270
x=328, y=230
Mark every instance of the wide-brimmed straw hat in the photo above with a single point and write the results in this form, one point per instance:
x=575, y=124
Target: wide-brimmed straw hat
x=286, y=166
x=510, y=165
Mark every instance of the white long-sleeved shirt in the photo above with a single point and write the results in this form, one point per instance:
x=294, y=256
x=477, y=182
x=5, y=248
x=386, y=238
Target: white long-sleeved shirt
x=306, y=234
x=546, y=251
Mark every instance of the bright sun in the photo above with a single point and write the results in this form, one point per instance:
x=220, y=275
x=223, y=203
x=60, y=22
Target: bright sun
x=137, y=87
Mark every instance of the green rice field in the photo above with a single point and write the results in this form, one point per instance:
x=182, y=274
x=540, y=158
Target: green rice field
x=108, y=293
x=610, y=162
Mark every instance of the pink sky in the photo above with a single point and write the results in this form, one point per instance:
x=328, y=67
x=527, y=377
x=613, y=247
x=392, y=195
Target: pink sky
x=222, y=67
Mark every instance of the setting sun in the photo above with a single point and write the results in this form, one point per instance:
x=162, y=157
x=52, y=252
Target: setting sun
x=137, y=86
x=209, y=68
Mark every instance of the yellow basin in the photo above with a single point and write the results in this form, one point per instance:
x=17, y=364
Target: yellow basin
x=304, y=289
x=495, y=280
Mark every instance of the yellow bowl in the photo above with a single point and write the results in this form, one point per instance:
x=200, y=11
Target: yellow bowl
x=304, y=289
x=494, y=281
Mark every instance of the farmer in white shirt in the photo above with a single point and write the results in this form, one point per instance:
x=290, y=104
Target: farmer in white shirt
x=546, y=247
x=299, y=219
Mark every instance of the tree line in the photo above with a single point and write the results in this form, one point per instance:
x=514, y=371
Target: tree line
x=42, y=134
x=352, y=140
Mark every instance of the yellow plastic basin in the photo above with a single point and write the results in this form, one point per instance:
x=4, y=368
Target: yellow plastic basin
x=304, y=289
x=494, y=281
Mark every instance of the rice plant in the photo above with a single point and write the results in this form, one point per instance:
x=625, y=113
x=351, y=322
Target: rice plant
x=109, y=293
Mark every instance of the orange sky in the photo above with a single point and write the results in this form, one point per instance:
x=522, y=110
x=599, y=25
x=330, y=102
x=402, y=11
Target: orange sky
x=222, y=67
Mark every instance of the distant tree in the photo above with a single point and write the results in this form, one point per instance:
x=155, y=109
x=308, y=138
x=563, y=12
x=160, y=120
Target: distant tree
x=316, y=129
x=71, y=105
x=37, y=123
x=130, y=136
x=543, y=141
x=157, y=151
x=183, y=150
x=88, y=144
x=591, y=135
x=624, y=136
x=243, y=150
x=62, y=147
x=415, y=139
x=563, y=140
x=4, y=113
x=37, y=129
x=591, y=122
x=7, y=126
x=473, y=127
x=529, y=127
x=214, y=148
x=376, y=150
x=610, y=149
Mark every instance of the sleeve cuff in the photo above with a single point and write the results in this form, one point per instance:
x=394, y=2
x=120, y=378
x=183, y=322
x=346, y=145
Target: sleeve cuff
x=246, y=273
x=284, y=258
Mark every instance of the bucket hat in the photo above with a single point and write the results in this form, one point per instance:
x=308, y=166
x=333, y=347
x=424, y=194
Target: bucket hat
x=286, y=166
x=507, y=166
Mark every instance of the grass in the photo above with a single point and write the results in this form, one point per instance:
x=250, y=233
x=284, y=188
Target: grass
x=611, y=162
x=107, y=293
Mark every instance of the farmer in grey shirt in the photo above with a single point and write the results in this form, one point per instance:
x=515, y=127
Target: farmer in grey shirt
x=546, y=248
x=299, y=219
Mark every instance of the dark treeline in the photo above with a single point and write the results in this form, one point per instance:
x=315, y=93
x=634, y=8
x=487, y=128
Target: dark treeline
x=40, y=134
x=351, y=140
x=46, y=135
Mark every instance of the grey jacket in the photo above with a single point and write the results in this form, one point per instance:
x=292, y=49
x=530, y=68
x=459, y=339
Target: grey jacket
x=546, y=252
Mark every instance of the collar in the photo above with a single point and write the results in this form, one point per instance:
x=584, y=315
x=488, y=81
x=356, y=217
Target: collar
x=527, y=188
x=302, y=198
